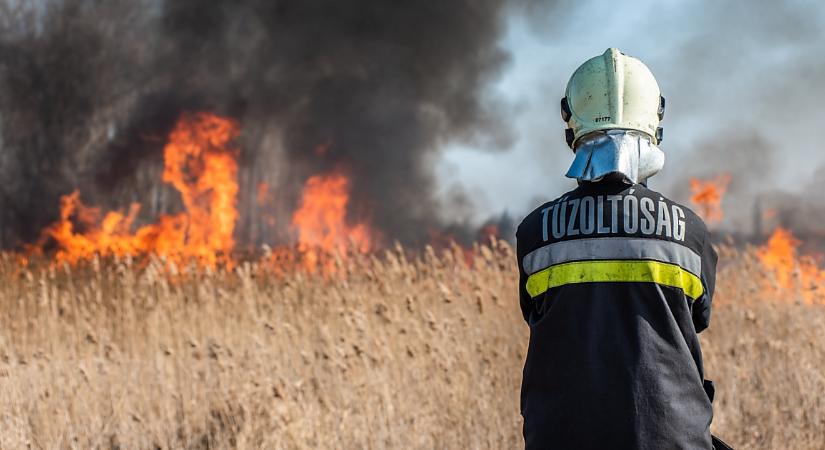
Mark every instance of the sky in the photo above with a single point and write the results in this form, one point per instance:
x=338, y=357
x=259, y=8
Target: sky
x=744, y=83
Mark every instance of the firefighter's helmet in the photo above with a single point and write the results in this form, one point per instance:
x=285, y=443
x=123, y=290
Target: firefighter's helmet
x=612, y=91
x=613, y=107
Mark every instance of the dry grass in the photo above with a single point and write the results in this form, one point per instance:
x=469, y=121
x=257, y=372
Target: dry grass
x=391, y=353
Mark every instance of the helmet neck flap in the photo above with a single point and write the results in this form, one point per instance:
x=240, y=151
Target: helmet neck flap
x=628, y=153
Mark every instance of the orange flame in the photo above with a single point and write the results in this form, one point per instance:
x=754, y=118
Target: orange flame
x=707, y=196
x=321, y=222
x=198, y=163
x=781, y=257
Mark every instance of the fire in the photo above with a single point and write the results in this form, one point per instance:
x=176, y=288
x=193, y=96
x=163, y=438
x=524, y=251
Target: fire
x=199, y=163
x=707, y=196
x=321, y=222
x=780, y=256
x=108, y=236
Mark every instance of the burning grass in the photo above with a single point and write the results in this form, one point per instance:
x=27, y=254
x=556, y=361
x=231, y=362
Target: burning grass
x=200, y=163
x=392, y=351
x=706, y=197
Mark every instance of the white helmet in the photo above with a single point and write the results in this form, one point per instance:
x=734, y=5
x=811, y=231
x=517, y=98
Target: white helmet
x=613, y=107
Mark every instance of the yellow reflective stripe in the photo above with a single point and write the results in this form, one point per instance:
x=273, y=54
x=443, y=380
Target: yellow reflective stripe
x=610, y=271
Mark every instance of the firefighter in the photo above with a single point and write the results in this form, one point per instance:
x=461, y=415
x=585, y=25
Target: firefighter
x=616, y=280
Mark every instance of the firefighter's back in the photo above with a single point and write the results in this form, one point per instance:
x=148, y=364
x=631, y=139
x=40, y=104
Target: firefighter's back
x=615, y=284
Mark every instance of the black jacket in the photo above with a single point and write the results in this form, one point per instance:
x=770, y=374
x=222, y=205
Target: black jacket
x=616, y=281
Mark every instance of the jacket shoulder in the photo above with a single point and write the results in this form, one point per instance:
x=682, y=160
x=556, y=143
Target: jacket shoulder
x=529, y=231
x=534, y=218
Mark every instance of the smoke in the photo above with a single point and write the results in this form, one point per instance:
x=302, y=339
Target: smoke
x=88, y=91
x=749, y=160
x=62, y=74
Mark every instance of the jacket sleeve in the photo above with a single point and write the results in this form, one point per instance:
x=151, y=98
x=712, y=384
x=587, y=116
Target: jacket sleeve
x=524, y=298
x=701, y=307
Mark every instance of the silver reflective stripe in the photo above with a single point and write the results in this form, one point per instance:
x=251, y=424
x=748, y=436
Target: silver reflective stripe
x=612, y=248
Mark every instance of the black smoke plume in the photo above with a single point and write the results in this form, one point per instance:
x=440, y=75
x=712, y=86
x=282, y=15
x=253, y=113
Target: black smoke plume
x=89, y=89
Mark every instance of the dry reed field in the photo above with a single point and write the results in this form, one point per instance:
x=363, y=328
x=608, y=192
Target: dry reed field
x=391, y=351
